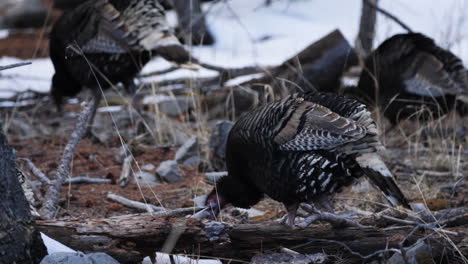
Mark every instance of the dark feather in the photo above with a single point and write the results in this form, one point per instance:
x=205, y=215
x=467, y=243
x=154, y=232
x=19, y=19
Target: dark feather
x=299, y=150
x=409, y=72
x=105, y=42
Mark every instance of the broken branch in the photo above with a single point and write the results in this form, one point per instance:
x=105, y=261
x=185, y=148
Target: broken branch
x=53, y=192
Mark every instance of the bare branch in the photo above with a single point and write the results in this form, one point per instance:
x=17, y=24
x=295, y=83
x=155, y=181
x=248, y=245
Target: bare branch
x=133, y=204
x=333, y=219
x=392, y=17
x=11, y=66
x=36, y=171
x=53, y=192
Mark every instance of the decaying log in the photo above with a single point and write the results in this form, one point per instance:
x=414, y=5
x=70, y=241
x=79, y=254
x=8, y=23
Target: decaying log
x=318, y=66
x=19, y=240
x=129, y=239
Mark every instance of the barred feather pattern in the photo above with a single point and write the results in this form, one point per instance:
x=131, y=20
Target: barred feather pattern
x=303, y=172
x=104, y=42
x=409, y=72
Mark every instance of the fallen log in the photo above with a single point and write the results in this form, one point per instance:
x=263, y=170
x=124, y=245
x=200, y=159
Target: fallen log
x=318, y=66
x=130, y=238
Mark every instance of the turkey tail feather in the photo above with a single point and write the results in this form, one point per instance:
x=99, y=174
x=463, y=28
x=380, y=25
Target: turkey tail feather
x=380, y=175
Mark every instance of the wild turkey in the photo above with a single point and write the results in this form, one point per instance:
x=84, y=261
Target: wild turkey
x=105, y=42
x=408, y=73
x=303, y=148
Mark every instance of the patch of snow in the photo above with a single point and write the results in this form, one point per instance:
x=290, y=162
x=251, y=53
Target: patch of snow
x=248, y=33
x=4, y=33
x=108, y=109
x=36, y=77
x=242, y=79
x=162, y=258
x=53, y=246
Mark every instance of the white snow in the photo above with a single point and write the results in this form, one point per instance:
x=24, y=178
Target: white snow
x=53, y=246
x=248, y=33
x=4, y=33
x=36, y=76
x=164, y=259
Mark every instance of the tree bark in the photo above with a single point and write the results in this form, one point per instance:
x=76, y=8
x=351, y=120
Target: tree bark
x=19, y=240
x=130, y=238
x=192, y=24
x=365, y=39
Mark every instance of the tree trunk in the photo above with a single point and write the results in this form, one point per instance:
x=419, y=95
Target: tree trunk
x=366, y=33
x=19, y=240
x=192, y=24
x=130, y=238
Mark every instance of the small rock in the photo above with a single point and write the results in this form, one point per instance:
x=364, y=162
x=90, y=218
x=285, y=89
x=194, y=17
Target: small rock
x=123, y=152
x=78, y=258
x=418, y=254
x=200, y=200
x=218, y=140
x=146, y=178
x=169, y=105
x=188, y=150
x=169, y=171
x=193, y=161
x=101, y=258
x=148, y=167
x=363, y=186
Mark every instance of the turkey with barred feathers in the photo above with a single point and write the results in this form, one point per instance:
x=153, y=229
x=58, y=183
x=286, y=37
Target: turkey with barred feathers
x=104, y=42
x=303, y=148
x=409, y=77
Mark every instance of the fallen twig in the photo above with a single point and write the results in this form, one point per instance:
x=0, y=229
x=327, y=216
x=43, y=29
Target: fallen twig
x=133, y=204
x=14, y=65
x=333, y=219
x=36, y=171
x=53, y=192
x=126, y=171
x=75, y=180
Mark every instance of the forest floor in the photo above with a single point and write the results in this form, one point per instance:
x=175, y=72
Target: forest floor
x=416, y=159
x=426, y=162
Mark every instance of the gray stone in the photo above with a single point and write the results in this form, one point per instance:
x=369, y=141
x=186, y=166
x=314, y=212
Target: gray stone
x=192, y=161
x=417, y=254
x=171, y=106
x=169, y=171
x=146, y=178
x=200, y=200
x=362, y=186
x=218, y=140
x=101, y=258
x=148, y=167
x=123, y=152
x=188, y=150
x=78, y=258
